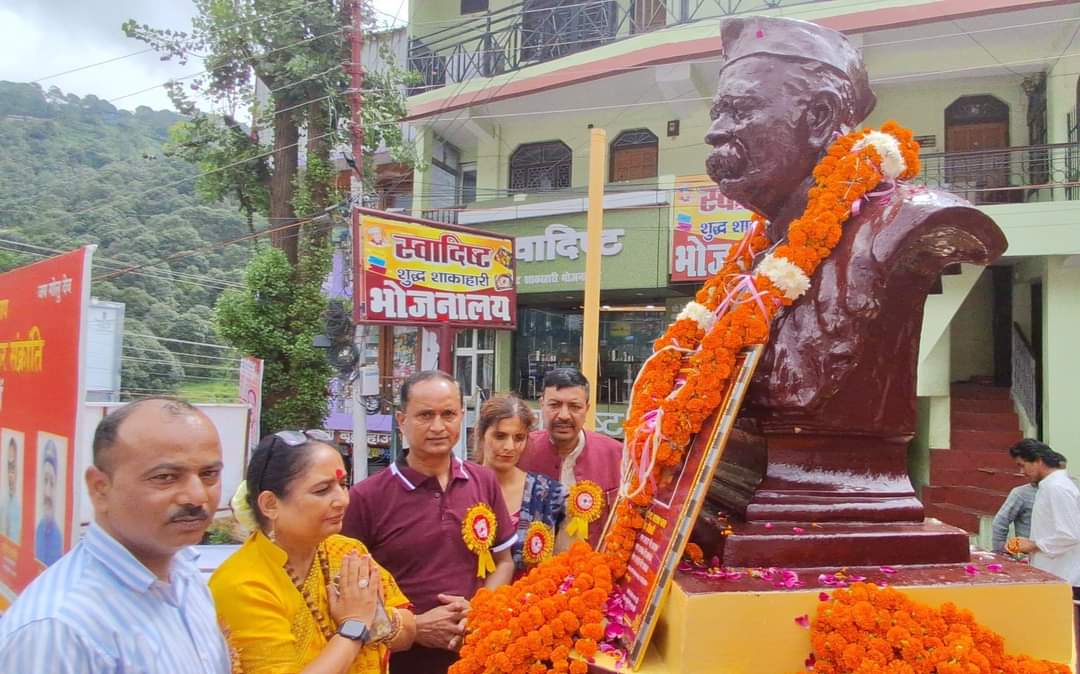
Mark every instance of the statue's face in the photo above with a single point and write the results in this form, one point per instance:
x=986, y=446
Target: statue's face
x=758, y=133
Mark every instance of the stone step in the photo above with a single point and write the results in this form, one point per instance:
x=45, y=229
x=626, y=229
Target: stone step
x=985, y=501
x=982, y=405
x=993, y=479
x=965, y=518
x=984, y=421
x=984, y=440
x=972, y=391
x=971, y=460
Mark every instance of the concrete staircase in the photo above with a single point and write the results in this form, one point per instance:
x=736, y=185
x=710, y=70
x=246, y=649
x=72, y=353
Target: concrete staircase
x=970, y=481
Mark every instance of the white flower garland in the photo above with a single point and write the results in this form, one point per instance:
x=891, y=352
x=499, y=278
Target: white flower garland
x=785, y=275
x=699, y=314
x=888, y=148
x=241, y=510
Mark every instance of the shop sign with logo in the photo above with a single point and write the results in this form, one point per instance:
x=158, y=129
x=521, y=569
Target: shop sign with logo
x=705, y=224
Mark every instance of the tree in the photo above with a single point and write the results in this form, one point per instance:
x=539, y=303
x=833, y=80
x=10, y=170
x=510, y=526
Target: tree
x=297, y=51
x=75, y=171
x=278, y=319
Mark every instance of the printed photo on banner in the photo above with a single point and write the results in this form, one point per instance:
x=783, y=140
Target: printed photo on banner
x=12, y=451
x=50, y=509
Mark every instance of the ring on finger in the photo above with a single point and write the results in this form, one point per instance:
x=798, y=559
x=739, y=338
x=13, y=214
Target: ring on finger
x=363, y=583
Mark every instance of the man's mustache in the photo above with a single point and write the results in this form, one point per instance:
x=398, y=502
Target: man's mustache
x=727, y=160
x=189, y=512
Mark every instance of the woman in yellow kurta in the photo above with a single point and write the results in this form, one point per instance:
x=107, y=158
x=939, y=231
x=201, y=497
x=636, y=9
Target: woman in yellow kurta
x=297, y=597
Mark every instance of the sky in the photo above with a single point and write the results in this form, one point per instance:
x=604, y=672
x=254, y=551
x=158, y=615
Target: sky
x=40, y=38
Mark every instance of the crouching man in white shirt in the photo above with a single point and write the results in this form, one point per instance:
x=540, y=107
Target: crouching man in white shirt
x=1054, y=545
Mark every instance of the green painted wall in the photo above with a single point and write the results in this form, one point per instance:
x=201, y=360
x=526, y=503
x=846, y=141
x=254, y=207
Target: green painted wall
x=972, y=339
x=1061, y=372
x=641, y=263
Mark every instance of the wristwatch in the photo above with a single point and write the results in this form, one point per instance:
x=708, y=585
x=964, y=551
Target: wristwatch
x=355, y=630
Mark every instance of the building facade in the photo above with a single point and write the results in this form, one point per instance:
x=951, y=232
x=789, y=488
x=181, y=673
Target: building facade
x=509, y=91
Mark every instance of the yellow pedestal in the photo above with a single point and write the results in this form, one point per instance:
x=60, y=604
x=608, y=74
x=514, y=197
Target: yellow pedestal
x=754, y=632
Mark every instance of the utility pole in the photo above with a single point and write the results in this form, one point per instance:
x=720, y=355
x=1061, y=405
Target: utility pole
x=590, y=333
x=356, y=76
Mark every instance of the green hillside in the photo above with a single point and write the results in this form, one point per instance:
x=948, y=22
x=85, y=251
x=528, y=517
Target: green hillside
x=78, y=170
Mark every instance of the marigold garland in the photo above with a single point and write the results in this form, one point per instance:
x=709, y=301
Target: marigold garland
x=533, y=625
x=867, y=630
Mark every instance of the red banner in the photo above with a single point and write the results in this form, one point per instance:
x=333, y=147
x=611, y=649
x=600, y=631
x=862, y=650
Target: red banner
x=42, y=338
x=416, y=273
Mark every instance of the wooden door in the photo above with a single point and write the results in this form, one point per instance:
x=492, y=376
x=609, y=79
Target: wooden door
x=984, y=170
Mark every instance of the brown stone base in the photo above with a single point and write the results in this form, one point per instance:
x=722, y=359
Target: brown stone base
x=835, y=544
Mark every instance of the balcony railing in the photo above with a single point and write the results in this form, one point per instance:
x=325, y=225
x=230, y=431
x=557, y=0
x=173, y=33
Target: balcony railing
x=536, y=31
x=1007, y=175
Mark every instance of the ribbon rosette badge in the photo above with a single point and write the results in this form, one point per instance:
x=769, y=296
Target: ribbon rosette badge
x=584, y=505
x=539, y=542
x=478, y=531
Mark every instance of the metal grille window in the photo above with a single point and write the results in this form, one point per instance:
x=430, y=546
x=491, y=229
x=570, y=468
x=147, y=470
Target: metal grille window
x=634, y=155
x=474, y=362
x=540, y=167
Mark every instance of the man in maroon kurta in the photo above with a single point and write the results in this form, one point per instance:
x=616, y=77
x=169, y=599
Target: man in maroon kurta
x=563, y=450
x=410, y=518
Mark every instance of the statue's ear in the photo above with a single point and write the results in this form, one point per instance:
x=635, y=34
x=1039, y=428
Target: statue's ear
x=823, y=118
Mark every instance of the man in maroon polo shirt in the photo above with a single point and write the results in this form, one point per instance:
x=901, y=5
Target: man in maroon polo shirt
x=563, y=450
x=410, y=517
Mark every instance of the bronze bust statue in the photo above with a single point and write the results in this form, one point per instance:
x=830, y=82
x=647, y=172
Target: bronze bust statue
x=834, y=394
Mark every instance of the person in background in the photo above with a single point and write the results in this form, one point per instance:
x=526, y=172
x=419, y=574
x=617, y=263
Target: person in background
x=13, y=511
x=129, y=597
x=564, y=451
x=1016, y=511
x=432, y=519
x=48, y=537
x=502, y=433
x=298, y=596
x=1054, y=544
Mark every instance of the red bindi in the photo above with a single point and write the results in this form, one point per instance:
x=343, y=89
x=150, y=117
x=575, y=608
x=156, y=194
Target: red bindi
x=339, y=473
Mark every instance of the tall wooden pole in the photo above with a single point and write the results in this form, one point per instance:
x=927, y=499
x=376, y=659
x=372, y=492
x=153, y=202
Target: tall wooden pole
x=590, y=337
x=356, y=77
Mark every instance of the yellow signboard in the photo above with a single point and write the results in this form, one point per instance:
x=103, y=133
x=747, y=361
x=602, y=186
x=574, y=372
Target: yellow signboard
x=705, y=224
x=417, y=273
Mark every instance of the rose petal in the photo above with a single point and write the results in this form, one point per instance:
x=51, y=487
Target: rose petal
x=803, y=621
x=798, y=530
x=768, y=525
x=971, y=570
x=995, y=568
x=888, y=569
x=810, y=662
x=823, y=596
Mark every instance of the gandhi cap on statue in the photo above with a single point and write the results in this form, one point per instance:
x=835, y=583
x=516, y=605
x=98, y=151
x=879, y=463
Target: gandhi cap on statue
x=803, y=41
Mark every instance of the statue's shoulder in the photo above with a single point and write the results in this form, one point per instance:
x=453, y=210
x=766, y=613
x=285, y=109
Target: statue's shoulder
x=914, y=221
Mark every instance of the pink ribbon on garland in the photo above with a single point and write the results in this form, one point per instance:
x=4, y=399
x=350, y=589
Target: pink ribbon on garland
x=882, y=190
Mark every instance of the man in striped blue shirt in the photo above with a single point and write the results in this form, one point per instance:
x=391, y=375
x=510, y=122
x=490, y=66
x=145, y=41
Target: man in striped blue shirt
x=129, y=597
